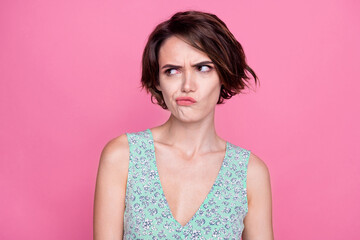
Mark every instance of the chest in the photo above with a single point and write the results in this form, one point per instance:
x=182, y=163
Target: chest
x=186, y=182
x=174, y=197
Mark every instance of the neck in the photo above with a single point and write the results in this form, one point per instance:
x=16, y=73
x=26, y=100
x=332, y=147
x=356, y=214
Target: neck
x=191, y=137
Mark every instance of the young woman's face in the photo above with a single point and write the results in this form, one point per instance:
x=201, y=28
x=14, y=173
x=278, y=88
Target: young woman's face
x=184, y=71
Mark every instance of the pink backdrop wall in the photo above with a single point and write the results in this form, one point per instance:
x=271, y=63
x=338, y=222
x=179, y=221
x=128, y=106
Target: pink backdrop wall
x=69, y=82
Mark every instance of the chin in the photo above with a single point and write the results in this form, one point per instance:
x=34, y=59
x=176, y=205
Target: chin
x=189, y=119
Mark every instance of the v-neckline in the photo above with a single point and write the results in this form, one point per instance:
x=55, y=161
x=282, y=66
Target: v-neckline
x=207, y=198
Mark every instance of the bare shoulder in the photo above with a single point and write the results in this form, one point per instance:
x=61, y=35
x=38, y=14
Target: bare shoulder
x=116, y=152
x=114, y=161
x=110, y=191
x=258, y=175
x=257, y=166
x=258, y=221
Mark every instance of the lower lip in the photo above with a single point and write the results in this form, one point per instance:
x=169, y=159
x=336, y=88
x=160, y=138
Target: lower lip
x=184, y=102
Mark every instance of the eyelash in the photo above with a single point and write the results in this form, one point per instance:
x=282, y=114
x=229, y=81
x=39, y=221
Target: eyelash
x=167, y=72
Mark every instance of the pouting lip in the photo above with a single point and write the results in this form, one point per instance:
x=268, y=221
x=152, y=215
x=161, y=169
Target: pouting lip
x=186, y=99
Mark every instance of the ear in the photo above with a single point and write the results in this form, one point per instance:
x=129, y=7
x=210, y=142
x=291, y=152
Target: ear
x=158, y=87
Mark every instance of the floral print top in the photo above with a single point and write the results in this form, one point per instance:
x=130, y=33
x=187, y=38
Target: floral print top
x=147, y=214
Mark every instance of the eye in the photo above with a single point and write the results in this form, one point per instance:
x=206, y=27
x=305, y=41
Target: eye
x=205, y=68
x=170, y=71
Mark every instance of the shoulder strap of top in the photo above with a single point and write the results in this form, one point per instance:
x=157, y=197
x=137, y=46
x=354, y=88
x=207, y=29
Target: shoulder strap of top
x=135, y=138
x=238, y=160
x=139, y=143
x=140, y=157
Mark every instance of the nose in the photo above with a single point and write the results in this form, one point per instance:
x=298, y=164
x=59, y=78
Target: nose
x=189, y=83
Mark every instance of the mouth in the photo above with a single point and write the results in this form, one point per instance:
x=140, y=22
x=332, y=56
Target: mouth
x=185, y=101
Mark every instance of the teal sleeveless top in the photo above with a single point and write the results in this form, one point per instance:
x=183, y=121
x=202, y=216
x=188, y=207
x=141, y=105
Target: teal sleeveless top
x=147, y=214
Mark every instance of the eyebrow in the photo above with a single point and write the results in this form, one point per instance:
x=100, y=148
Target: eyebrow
x=195, y=65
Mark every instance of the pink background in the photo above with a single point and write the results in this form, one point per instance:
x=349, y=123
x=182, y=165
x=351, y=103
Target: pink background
x=69, y=82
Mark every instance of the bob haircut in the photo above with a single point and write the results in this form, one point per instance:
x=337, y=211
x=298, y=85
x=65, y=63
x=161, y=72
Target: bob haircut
x=207, y=33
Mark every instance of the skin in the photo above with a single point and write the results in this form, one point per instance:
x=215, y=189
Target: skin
x=188, y=151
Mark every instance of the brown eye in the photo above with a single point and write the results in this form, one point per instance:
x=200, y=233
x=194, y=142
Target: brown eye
x=170, y=71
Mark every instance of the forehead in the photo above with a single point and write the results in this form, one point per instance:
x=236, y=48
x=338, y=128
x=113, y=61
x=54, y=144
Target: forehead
x=176, y=49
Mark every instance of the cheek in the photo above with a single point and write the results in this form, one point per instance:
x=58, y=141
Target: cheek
x=216, y=94
x=214, y=91
x=168, y=91
x=167, y=88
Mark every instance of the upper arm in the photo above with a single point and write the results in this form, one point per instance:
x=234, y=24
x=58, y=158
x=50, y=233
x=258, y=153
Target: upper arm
x=258, y=220
x=109, y=201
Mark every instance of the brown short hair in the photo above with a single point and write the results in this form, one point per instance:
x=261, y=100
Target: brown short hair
x=209, y=34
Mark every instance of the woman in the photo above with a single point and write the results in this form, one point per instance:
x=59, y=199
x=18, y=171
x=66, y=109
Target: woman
x=180, y=180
